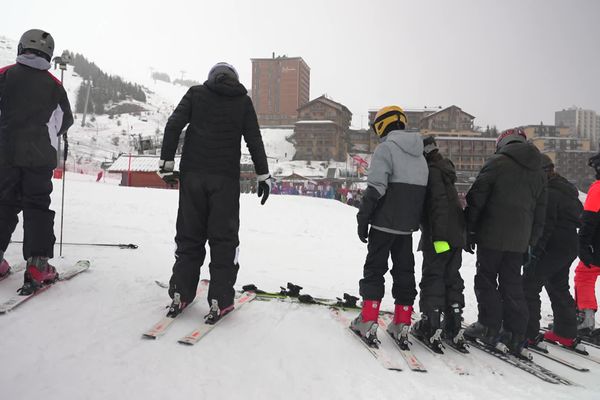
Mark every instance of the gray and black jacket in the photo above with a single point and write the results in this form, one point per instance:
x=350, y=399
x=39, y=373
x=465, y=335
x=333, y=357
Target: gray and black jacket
x=397, y=182
x=34, y=111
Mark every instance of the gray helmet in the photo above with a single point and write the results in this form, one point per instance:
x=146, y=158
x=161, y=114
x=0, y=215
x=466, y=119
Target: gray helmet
x=515, y=135
x=223, y=68
x=38, y=41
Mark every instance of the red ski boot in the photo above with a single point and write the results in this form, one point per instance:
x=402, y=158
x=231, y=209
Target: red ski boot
x=4, y=268
x=38, y=274
x=365, y=324
x=571, y=344
x=399, y=327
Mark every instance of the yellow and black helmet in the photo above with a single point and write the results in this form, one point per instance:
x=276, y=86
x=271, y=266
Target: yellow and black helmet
x=387, y=116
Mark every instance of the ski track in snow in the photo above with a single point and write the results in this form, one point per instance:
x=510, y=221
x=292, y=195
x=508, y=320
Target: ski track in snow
x=82, y=338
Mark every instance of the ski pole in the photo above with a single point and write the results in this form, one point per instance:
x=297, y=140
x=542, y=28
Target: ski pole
x=130, y=246
x=64, y=178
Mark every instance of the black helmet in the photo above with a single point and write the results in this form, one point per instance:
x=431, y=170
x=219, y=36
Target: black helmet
x=594, y=162
x=37, y=41
x=547, y=163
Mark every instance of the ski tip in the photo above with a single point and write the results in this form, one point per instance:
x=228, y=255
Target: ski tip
x=149, y=337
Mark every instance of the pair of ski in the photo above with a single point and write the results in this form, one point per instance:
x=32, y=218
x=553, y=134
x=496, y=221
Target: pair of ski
x=16, y=300
x=203, y=329
x=382, y=355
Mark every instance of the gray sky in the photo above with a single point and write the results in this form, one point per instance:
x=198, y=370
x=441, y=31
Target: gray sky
x=510, y=62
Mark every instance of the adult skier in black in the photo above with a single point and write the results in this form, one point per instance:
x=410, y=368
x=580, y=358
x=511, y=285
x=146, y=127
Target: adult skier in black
x=551, y=261
x=34, y=112
x=392, y=204
x=442, y=242
x=505, y=217
x=219, y=114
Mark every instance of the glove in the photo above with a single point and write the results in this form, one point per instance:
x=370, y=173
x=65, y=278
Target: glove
x=264, y=187
x=166, y=173
x=530, y=260
x=441, y=246
x=586, y=255
x=363, y=229
x=470, y=246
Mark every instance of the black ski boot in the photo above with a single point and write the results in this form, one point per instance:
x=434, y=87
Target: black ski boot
x=216, y=313
x=479, y=332
x=452, y=330
x=537, y=343
x=514, y=344
x=428, y=330
x=177, y=306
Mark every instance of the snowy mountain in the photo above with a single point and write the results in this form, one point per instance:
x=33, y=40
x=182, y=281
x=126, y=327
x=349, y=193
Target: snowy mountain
x=81, y=339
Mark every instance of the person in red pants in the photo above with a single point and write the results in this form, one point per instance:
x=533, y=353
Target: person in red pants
x=588, y=269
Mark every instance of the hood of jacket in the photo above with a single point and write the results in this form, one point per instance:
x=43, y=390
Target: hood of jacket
x=33, y=61
x=225, y=85
x=524, y=154
x=445, y=165
x=409, y=142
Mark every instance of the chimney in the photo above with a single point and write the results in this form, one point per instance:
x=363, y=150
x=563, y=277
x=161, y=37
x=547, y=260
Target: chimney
x=273, y=55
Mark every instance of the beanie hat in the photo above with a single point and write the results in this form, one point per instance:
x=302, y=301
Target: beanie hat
x=511, y=136
x=225, y=69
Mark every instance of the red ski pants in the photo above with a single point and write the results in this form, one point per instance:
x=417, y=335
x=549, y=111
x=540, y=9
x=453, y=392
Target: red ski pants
x=585, y=286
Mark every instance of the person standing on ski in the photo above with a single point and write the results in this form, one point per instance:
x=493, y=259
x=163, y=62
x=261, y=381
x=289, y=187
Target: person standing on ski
x=34, y=112
x=551, y=261
x=219, y=114
x=392, y=204
x=442, y=241
x=588, y=269
x=505, y=217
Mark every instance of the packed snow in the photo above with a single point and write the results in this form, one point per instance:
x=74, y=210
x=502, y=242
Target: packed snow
x=82, y=338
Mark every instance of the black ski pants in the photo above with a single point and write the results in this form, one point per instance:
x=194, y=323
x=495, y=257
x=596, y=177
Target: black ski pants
x=380, y=246
x=552, y=272
x=441, y=284
x=209, y=207
x=499, y=290
x=27, y=190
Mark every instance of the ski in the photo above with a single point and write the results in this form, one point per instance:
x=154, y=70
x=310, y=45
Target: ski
x=545, y=353
x=593, y=340
x=161, y=326
x=411, y=360
x=291, y=293
x=204, y=329
x=587, y=356
x=457, y=369
x=13, y=270
x=69, y=273
x=381, y=355
x=524, y=365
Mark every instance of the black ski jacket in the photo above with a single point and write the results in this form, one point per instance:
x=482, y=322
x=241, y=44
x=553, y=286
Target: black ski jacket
x=34, y=111
x=563, y=213
x=219, y=113
x=443, y=216
x=506, y=205
x=589, y=234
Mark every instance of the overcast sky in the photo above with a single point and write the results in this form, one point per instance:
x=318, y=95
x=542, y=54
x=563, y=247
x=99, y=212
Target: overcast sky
x=510, y=62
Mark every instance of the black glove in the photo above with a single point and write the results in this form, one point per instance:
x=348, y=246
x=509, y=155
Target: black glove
x=586, y=255
x=470, y=246
x=530, y=260
x=363, y=229
x=166, y=173
x=264, y=187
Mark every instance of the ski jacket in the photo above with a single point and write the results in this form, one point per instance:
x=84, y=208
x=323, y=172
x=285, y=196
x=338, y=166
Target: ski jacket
x=443, y=216
x=506, y=205
x=563, y=213
x=397, y=183
x=219, y=113
x=589, y=234
x=34, y=111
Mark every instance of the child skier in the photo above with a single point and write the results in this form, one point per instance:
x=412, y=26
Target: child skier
x=392, y=205
x=442, y=241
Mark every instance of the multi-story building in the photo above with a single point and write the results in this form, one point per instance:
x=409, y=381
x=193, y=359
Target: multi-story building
x=581, y=123
x=449, y=119
x=467, y=153
x=572, y=164
x=413, y=116
x=280, y=86
x=321, y=132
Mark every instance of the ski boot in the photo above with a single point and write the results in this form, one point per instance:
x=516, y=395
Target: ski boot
x=365, y=324
x=177, y=306
x=4, y=268
x=37, y=274
x=215, y=313
x=452, y=330
x=585, y=321
x=537, y=343
x=428, y=330
x=399, y=327
x=514, y=344
x=572, y=344
x=479, y=332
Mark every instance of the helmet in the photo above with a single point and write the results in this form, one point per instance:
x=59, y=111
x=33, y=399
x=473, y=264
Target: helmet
x=429, y=145
x=386, y=117
x=510, y=136
x=594, y=162
x=223, y=68
x=38, y=41
x=547, y=163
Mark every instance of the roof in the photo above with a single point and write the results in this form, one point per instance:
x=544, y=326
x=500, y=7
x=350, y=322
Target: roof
x=447, y=108
x=324, y=121
x=138, y=163
x=475, y=138
x=324, y=99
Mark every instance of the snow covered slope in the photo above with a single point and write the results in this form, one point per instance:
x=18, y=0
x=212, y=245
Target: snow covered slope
x=81, y=339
